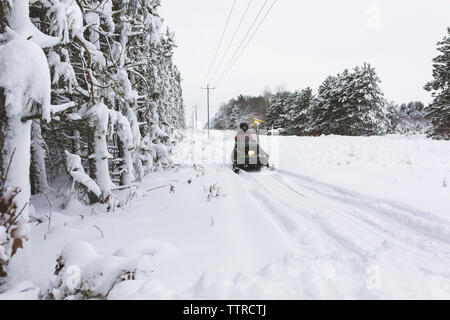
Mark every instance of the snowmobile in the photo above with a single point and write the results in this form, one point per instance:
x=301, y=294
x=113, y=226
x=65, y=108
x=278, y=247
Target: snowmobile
x=247, y=153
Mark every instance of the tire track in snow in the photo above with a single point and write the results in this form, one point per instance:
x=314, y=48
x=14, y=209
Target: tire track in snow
x=326, y=236
x=435, y=233
x=406, y=213
x=362, y=221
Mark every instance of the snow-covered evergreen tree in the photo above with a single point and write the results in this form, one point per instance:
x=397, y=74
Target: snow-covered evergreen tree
x=88, y=89
x=438, y=112
x=115, y=55
x=298, y=112
x=276, y=112
x=351, y=104
x=322, y=113
x=412, y=118
x=24, y=93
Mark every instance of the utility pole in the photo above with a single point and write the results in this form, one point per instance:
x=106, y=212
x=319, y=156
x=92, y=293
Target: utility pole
x=208, y=89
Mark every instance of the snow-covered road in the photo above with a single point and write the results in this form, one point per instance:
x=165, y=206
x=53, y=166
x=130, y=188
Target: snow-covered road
x=270, y=234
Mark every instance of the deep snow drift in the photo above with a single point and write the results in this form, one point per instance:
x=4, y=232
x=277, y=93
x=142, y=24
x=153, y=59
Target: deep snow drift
x=341, y=217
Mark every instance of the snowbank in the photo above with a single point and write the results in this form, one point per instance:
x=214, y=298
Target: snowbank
x=23, y=291
x=82, y=273
x=291, y=278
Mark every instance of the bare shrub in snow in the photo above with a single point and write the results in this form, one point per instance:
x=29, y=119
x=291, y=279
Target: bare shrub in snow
x=214, y=191
x=11, y=240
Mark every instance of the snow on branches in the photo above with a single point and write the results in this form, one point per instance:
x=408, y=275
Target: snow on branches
x=97, y=80
x=79, y=176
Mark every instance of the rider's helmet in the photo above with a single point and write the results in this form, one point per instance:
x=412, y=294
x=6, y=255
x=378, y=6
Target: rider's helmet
x=244, y=126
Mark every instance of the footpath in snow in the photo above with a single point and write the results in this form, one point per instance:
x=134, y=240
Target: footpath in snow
x=341, y=217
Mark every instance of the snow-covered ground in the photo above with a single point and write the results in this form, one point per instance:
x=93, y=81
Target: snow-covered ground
x=340, y=217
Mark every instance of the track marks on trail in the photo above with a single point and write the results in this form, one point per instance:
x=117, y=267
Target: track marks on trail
x=359, y=223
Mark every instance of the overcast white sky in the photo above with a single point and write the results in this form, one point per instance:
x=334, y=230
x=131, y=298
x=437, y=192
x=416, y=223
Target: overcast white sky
x=302, y=42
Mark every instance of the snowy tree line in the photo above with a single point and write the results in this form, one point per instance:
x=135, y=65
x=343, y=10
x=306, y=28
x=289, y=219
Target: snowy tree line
x=238, y=110
x=349, y=103
x=89, y=97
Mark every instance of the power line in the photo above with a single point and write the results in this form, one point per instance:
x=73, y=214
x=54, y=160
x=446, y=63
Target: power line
x=232, y=39
x=225, y=73
x=244, y=39
x=208, y=89
x=220, y=41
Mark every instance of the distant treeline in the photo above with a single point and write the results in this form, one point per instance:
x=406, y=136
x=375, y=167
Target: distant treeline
x=240, y=109
x=349, y=103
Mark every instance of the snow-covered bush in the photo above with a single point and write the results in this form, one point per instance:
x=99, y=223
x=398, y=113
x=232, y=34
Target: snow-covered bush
x=82, y=273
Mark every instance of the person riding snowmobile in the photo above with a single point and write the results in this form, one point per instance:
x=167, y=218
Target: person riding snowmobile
x=247, y=153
